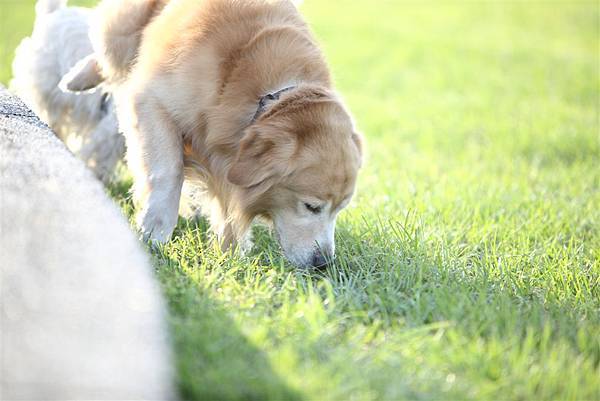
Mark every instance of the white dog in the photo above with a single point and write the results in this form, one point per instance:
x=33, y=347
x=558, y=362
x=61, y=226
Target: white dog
x=86, y=122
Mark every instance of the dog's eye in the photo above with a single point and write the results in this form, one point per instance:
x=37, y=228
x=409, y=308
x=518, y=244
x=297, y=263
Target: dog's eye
x=313, y=209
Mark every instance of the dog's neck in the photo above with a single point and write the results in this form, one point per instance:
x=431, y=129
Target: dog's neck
x=268, y=99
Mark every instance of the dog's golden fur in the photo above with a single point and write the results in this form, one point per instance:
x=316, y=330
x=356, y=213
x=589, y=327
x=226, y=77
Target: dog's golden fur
x=188, y=77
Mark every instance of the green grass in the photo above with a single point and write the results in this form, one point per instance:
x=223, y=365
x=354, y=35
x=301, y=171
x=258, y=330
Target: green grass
x=469, y=262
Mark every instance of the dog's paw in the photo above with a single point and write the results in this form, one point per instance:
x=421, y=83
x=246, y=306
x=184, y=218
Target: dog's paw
x=155, y=227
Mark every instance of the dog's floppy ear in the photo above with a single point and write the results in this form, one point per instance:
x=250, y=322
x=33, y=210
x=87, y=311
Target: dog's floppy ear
x=265, y=152
x=357, y=138
x=85, y=75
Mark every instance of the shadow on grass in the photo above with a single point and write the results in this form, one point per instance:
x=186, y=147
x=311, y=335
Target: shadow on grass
x=215, y=361
x=387, y=274
x=396, y=273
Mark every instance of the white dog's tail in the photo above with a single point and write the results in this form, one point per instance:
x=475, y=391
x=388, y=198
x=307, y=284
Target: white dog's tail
x=44, y=7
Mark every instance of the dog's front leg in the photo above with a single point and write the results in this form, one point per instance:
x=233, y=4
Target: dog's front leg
x=228, y=235
x=155, y=156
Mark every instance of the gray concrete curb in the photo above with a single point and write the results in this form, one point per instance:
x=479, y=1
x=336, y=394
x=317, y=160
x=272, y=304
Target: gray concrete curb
x=81, y=315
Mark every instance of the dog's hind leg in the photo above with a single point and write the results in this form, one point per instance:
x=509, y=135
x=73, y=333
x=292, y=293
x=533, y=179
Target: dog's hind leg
x=155, y=157
x=117, y=33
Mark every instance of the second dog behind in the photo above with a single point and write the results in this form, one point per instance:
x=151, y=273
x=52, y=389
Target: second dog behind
x=86, y=122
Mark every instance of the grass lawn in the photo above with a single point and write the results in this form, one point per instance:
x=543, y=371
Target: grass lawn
x=469, y=262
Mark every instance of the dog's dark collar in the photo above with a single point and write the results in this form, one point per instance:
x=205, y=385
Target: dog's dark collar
x=268, y=98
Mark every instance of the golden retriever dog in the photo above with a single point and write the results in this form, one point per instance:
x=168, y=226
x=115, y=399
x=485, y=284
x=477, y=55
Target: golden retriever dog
x=234, y=95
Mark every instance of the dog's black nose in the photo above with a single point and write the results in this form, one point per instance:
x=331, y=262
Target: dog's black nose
x=319, y=261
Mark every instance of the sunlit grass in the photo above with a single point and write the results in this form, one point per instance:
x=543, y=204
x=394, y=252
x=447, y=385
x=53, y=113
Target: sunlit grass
x=469, y=262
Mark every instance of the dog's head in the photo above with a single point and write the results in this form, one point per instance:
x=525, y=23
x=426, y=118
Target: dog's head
x=298, y=166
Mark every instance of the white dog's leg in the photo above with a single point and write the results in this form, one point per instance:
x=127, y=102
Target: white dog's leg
x=155, y=156
x=103, y=148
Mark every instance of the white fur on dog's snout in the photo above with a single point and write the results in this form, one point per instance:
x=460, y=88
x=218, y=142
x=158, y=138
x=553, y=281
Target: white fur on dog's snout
x=301, y=237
